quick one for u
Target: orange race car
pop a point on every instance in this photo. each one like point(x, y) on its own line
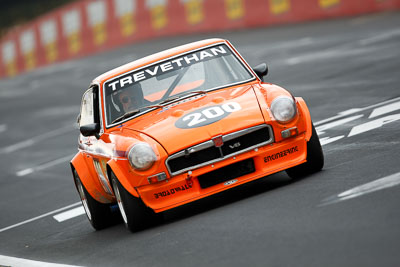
point(181, 125)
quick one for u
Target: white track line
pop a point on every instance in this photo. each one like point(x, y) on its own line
point(44, 166)
point(18, 262)
point(326, 140)
point(354, 110)
point(385, 109)
point(36, 139)
point(41, 216)
point(380, 37)
point(380, 184)
point(3, 128)
point(320, 129)
point(69, 214)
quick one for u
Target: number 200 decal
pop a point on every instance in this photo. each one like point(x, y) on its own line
point(207, 115)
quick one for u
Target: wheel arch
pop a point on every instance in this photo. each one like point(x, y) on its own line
point(114, 168)
point(307, 117)
point(86, 173)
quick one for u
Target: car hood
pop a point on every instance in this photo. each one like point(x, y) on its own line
point(200, 118)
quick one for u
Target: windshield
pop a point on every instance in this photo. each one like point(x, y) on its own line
point(138, 91)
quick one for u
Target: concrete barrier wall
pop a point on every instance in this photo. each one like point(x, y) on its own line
point(90, 26)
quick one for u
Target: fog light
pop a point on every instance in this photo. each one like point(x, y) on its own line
point(157, 178)
point(289, 132)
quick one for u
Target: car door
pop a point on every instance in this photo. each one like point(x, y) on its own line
point(97, 151)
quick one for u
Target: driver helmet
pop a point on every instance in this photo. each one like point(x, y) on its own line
point(130, 98)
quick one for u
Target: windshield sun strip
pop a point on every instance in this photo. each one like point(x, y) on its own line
point(234, 53)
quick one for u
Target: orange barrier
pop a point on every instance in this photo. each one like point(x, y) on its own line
point(90, 26)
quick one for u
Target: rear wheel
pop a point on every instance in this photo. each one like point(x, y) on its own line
point(100, 215)
point(315, 159)
point(135, 214)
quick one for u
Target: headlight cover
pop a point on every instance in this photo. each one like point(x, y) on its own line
point(283, 108)
point(141, 156)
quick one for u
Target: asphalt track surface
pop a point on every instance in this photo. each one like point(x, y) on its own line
point(347, 70)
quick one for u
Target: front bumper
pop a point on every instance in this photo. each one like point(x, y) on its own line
point(185, 188)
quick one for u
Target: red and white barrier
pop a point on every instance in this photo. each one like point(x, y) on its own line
point(90, 26)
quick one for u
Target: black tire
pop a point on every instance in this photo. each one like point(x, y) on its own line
point(99, 215)
point(135, 214)
point(315, 159)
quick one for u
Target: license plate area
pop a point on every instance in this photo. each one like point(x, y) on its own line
point(227, 173)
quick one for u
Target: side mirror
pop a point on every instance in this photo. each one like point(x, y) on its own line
point(261, 70)
point(90, 129)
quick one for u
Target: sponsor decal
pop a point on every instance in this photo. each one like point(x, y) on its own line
point(168, 66)
point(234, 9)
point(9, 53)
point(158, 12)
point(72, 26)
point(173, 191)
point(208, 115)
point(27, 43)
point(281, 154)
point(194, 11)
point(97, 19)
point(278, 7)
point(48, 36)
point(125, 12)
point(328, 3)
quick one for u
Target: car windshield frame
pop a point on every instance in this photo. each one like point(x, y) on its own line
point(233, 52)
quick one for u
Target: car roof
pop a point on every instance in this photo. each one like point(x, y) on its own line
point(156, 57)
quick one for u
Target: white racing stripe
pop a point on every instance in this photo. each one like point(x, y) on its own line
point(380, 184)
point(41, 216)
point(69, 214)
point(18, 262)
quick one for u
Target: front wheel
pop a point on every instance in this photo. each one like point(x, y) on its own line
point(315, 159)
point(100, 215)
point(135, 214)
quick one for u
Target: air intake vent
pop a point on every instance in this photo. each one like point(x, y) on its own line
point(208, 153)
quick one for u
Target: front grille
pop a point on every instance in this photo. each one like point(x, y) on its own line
point(226, 173)
point(207, 153)
point(194, 159)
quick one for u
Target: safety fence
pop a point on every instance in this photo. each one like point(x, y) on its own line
point(90, 26)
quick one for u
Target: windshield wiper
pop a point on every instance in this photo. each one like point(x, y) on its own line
point(175, 97)
point(197, 92)
point(126, 115)
point(160, 104)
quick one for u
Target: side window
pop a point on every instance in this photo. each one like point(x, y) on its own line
point(87, 111)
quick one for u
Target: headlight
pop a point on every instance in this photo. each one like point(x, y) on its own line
point(283, 108)
point(141, 156)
